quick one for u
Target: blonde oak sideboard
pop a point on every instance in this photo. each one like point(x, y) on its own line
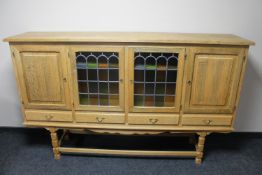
point(129, 83)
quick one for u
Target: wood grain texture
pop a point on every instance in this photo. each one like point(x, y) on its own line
point(100, 117)
point(128, 152)
point(206, 120)
point(42, 76)
point(200, 147)
point(241, 81)
point(55, 142)
point(152, 119)
point(19, 88)
point(212, 79)
point(210, 75)
point(129, 37)
point(48, 115)
point(125, 127)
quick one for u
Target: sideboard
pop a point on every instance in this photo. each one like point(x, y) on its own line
point(129, 83)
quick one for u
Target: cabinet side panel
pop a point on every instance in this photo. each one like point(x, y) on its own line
point(245, 56)
point(15, 69)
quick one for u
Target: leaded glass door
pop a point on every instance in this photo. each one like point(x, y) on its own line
point(98, 78)
point(155, 78)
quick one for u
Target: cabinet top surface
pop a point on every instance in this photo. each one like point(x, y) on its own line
point(130, 37)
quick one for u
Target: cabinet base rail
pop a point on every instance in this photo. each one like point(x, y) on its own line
point(57, 149)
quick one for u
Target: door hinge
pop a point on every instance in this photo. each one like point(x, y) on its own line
point(235, 107)
point(180, 108)
point(73, 104)
point(244, 58)
point(68, 53)
point(185, 57)
point(13, 53)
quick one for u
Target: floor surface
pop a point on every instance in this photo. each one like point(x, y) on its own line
point(28, 152)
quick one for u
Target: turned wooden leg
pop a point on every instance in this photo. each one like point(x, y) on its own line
point(55, 144)
point(200, 147)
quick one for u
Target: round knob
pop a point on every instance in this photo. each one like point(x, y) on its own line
point(189, 82)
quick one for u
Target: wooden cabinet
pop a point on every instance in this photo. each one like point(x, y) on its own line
point(129, 83)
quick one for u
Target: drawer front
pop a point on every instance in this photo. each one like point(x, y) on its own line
point(153, 119)
point(206, 120)
point(48, 116)
point(100, 117)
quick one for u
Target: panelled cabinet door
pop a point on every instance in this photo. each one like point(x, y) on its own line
point(155, 78)
point(98, 77)
point(42, 76)
point(212, 79)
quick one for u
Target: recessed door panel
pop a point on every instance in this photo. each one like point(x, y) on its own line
point(212, 80)
point(42, 75)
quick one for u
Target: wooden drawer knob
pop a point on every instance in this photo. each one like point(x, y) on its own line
point(100, 119)
point(207, 122)
point(153, 121)
point(49, 117)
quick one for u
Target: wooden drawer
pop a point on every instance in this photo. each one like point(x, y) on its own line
point(49, 116)
point(100, 117)
point(206, 120)
point(153, 119)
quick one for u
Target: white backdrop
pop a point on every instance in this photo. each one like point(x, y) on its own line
point(241, 17)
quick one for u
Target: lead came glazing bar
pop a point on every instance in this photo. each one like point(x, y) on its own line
point(156, 64)
point(108, 84)
point(159, 70)
point(99, 62)
point(98, 90)
point(144, 97)
point(90, 93)
point(154, 95)
point(167, 62)
point(88, 98)
point(95, 81)
point(149, 82)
